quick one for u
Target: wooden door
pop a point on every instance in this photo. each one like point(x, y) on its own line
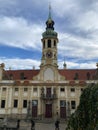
point(63, 109)
point(34, 111)
point(63, 112)
point(34, 108)
point(48, 113)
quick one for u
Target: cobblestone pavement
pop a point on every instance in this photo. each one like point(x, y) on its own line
point(50, 126)
point(43, 126)
point(39, 125)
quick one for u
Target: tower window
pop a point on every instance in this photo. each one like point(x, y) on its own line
point(44, 44)
point(49, 43)
point(54, 43)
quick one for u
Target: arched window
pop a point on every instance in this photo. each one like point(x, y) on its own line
point(49, 43)
point(54, 43)
point(88, 75)
point(44, 44)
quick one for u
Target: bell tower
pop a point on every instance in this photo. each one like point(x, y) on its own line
point(49, 44)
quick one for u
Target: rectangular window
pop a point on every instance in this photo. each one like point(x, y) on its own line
point(62, 89)
point(72, 89)
point(35, 89)
point(24, 103)
point(16, 89)
point(81, 89)
point(62, 103)
point(2, 103)
point(15, 103)
point(34, 102)
point(3, 89)
point(25, 89)
point(73, 104)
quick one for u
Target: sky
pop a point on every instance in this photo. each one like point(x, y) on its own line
point(22, 23)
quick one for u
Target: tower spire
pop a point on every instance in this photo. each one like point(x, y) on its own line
point(49, 11)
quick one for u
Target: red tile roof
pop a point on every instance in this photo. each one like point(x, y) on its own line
point(69, 74)
point(16, 74)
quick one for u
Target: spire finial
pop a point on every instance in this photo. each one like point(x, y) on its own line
point(49, 10)
point(64, 64)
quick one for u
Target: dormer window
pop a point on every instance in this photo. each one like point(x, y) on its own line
point(21, 75)
point(76, 77)
point(88, 76)
point(11, 76)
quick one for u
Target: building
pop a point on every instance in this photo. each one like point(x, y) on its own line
point(49, 92)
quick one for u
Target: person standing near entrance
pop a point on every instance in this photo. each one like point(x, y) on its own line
point(57, 125)
point(32, 125)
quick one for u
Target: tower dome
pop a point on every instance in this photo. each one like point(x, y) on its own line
point(49, 27)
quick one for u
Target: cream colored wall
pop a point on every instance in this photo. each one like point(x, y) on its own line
point(9, 95)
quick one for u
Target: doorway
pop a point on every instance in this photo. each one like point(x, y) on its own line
point(48, 112)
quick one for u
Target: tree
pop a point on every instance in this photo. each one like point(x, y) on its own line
point(86, 115)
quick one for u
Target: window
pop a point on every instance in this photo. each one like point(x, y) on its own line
point(88, 76)
point(11, 76)
point(15, 103)
point(3, 89)
point(62, 103)
point(21, 75)
point(24, 103)
point(72, 89)
point(49, 43)
point(35, 89)
point(76, 77)
point(54, 43)
point(25, 89)
point(44, 44)
point(2, 103)
point(73, 104)
point(62, 89)
point(34, 102)
point(81, 89)
point(16, 89)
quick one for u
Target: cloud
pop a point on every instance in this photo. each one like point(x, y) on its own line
point(17, 63)
point(77, 47)
point(17, 32)
point(22, 23)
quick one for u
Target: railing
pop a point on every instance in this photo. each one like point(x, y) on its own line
point(48, 97)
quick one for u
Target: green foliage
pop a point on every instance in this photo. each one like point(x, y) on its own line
point(86, 115)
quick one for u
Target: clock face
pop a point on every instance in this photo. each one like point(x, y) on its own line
point(49, 54)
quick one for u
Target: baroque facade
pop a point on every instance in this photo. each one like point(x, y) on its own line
point(49, 92)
